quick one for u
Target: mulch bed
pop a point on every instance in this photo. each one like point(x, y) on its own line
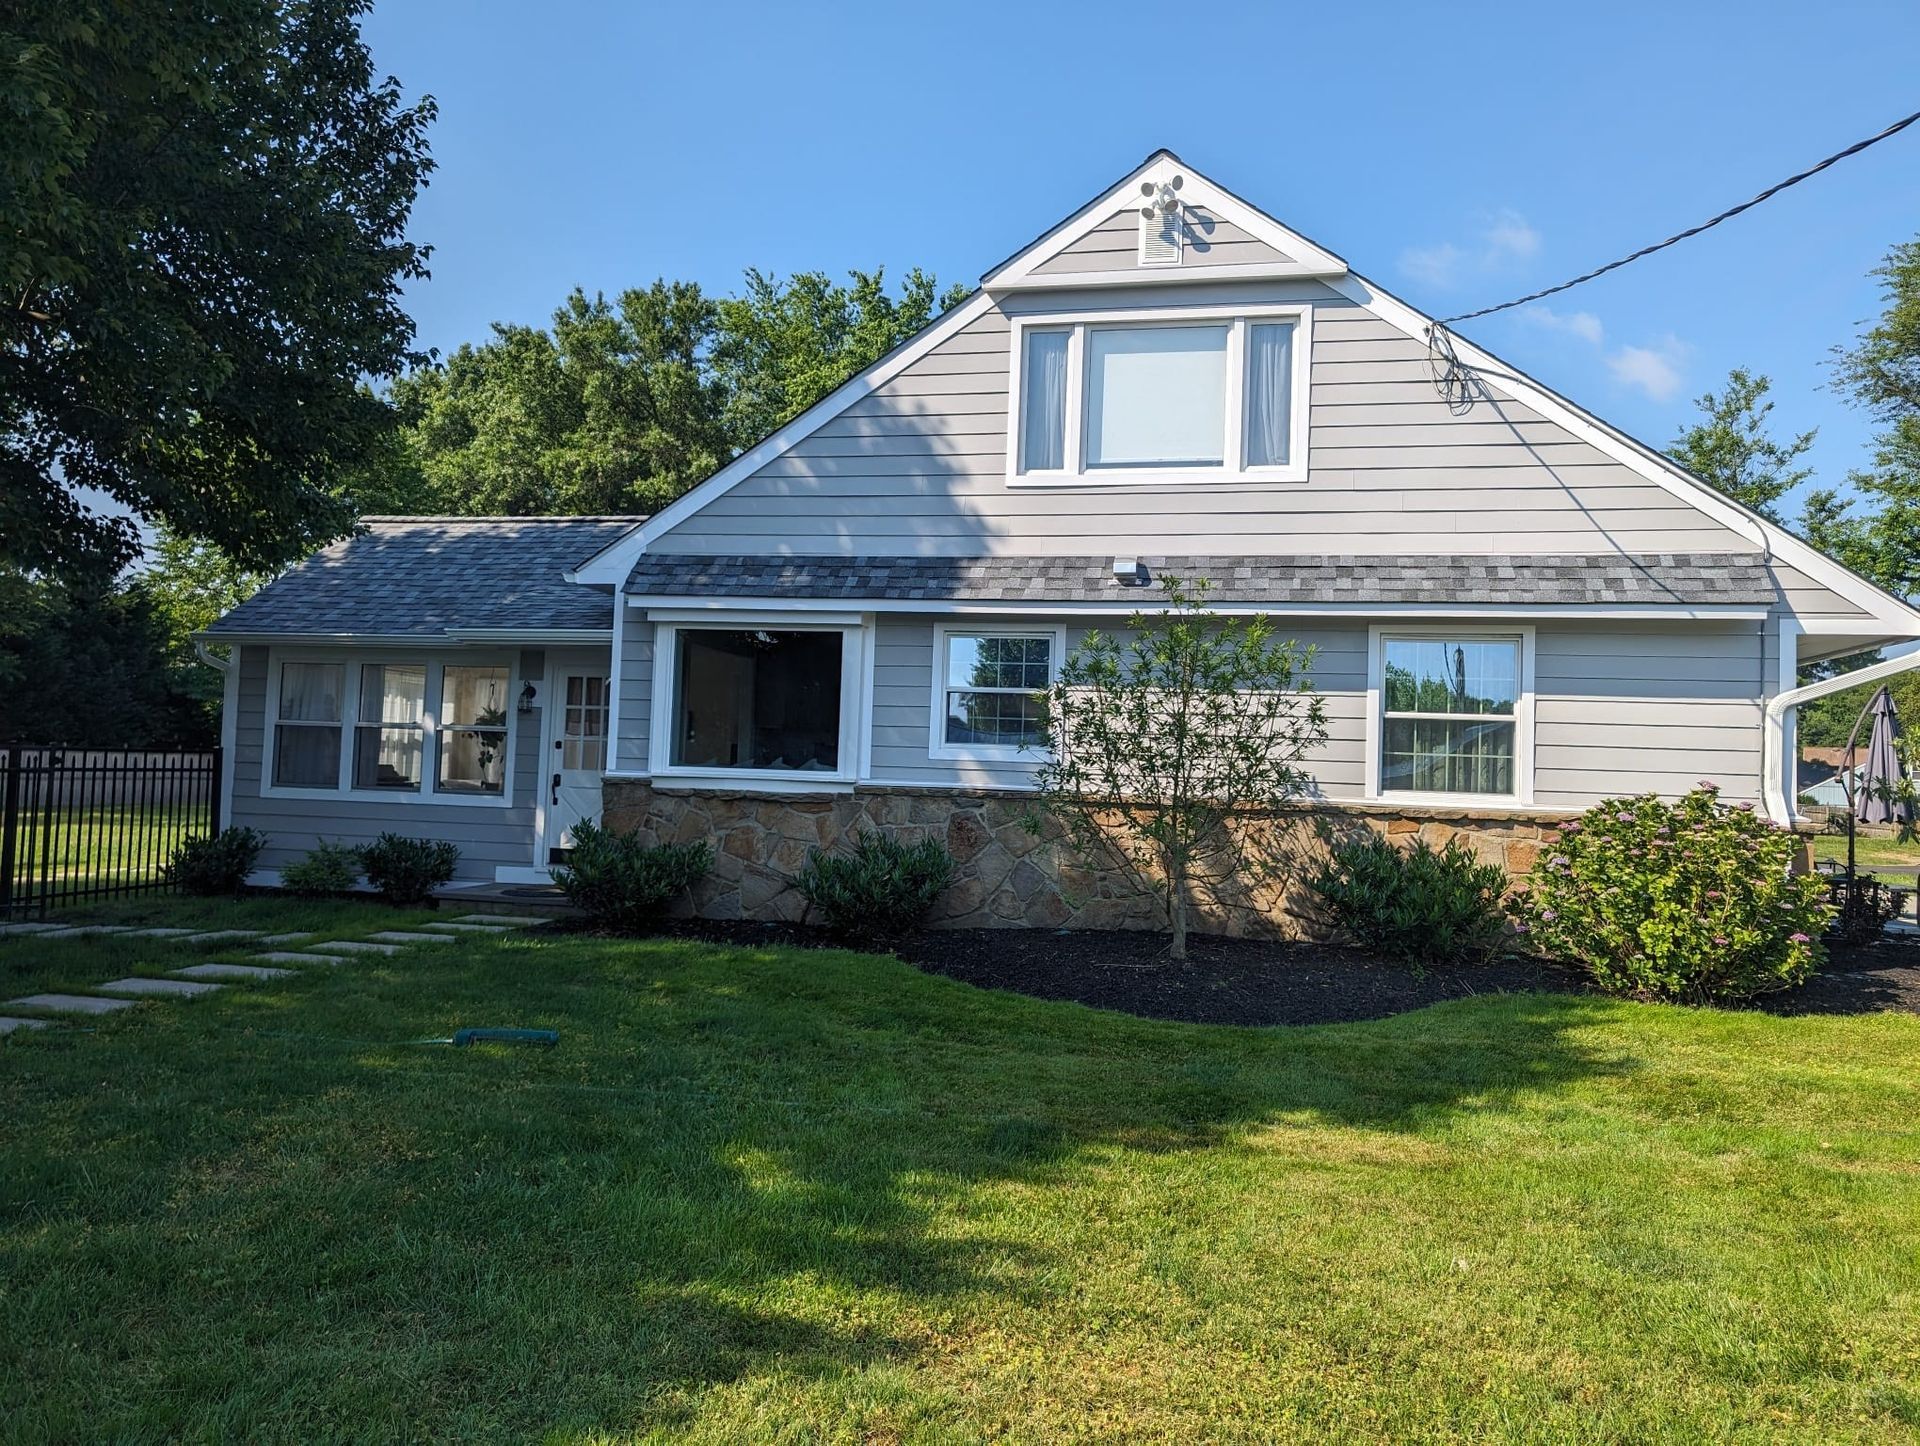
point(1248, 981)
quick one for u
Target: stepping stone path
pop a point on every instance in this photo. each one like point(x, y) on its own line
point(407, 936)
point(6, 929)
point(159, 933)
point(176, 988)
point(77, 931)
point(220, 936)
point(475, 928)
point(511, 921)
point(69, 1004)
point(287, 938)
point(232, 971)
point(282, 956)
point(8, 1024)
point(355, 946)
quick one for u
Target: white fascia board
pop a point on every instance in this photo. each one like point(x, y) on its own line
point(773, 609)
point(531, 635)
point(613, 562)
point(1773, 540)
point(1195, 190)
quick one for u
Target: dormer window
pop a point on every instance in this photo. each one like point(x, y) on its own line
point(1161, 398)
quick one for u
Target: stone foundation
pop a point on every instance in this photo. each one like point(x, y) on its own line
point(1014, 867)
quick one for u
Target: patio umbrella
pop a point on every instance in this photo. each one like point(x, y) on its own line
point(1880, 769)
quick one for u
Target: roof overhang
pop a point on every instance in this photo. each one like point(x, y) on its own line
point(448, 637)
point(1123, 606)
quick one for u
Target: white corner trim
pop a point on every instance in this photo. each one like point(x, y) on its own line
point(230, 737)
point(1773, 768)
point(1523, 709)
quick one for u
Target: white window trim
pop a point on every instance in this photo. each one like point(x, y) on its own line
point(1233, 471)
point(1522, 796)
point(937, 745)
point(855, 645)
point(428, 793)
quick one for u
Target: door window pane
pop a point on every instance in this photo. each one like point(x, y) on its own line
point(583, 727)
point(757, 699)
point(1043, 408)
point(1156, 395)
point(473, 729)
point(387, 733)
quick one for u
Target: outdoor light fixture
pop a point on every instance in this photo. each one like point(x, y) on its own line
point(527, 696)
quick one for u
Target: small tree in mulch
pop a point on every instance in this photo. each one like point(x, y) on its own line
point(1171, 747)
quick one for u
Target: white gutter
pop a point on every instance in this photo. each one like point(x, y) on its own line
point(1774, 741)
point(212, 660)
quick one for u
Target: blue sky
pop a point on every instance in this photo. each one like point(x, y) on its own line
point(1456, 155)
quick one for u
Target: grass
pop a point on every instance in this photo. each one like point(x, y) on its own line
point(1880, 854)
point(819, 1196)
point(113, 845)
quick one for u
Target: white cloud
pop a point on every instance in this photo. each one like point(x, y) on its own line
point(1503, 239)
point(1510, 235)
point(1583, 324)
point(1436, 265)
point(1654, 370)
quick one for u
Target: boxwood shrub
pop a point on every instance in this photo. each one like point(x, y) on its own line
point(1688, 901)
point(879, 893)
point(626, 886)
point(406, 871)
point(1420, 905)
point(213, 864)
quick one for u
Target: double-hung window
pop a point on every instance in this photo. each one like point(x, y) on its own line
point(1204, 394)
point(1452, 712)
point(306, 732)
point(990, 691)
point(409, 728)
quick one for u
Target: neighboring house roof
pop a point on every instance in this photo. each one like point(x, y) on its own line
point(435, 576)
point(1665, 580)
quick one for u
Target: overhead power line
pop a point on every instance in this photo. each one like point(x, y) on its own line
point(1727, 215)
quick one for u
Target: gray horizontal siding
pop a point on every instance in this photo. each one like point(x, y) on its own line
point(919, 468)
point(486, 837)
point(1616, 710)
point(1804, 597)
point(636, 693)
point(1114, 245)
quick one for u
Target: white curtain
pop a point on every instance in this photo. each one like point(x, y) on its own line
point(310, 692)
point(1269, 394)
point(1044, 440)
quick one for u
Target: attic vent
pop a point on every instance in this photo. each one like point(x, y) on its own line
point(1162, 228)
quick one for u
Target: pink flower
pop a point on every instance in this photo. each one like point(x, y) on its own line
point(1519, 928)
point(1708, 785)
point(1744, 807)
point(1547, 916)
point(1715, 894)
point(1720, 939)
point(1799, 939)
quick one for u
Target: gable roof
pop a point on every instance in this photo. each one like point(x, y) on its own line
point(1017, 273)
point(437, 577)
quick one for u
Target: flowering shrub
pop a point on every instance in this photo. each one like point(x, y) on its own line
point(1689, 900)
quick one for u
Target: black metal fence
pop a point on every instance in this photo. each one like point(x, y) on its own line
point(81, 824)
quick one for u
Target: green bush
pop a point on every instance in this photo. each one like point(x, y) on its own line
point(624, 885)
point(214, 864)
point(406, 871)
point(1690, 900)
point(1425, 906)
point(326, 868)
point(879, 893)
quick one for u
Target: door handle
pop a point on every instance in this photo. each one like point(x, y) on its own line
point(556, 790)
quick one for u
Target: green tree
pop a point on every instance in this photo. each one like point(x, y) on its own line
point(1170, 750)
point(203, 209)
point(1731, 448)
point(186, 586)
point(786, 344)
point(1880, 372)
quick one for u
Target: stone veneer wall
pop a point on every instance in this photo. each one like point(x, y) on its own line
point(1005, 873)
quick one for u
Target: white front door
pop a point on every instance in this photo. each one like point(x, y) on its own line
point(578, 756)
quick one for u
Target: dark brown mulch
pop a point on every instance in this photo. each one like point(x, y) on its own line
point(1247, 981)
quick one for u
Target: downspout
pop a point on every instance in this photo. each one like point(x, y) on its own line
point(1779, 804)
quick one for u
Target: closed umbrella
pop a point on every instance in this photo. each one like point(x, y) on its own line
point(1880, 770)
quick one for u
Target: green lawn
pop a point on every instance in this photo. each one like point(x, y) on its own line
point(1880, 855)
point(819, 1196)
point(104, 845)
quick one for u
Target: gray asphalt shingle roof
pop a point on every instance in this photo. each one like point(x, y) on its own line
point(420, 576)
point(1663, 579)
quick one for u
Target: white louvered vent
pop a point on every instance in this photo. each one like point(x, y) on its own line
point(1162, 228)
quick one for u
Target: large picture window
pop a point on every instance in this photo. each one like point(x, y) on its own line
point(1450, 711)
point(473, 729)
point(757, 698)
point(992, 692)
point(1206, 394)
